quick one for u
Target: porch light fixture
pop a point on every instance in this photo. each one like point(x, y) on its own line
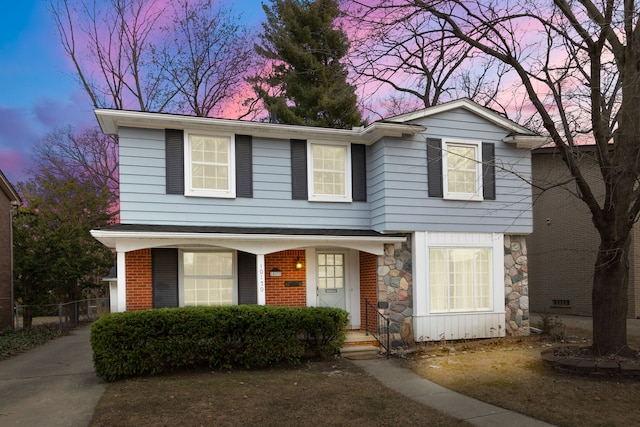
point(298, 263)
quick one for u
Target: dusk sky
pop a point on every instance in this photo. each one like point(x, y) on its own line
point(38, 92)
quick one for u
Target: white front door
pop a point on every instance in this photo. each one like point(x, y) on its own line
point(331, 280)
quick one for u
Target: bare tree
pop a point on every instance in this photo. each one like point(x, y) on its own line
point(578, 65)
point(110, 45)
point(207, 54)
point(402, 49)
point(150, 55)
point(85, 156)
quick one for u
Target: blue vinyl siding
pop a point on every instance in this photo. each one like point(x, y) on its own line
point(143, 199)
point(398, 170)
point(397, 187)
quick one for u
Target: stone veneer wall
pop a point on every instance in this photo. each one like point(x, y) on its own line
point(395, 289)
point(516, 285)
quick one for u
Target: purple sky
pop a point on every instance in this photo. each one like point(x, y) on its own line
point(38, 92)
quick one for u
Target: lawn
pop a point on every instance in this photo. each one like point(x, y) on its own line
point(322, 393)
point(505, 372)
point(510, 373)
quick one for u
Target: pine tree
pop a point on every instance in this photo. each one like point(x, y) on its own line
point(308, 84)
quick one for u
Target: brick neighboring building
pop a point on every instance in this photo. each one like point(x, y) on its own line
point(564, 242)
point(8, 199)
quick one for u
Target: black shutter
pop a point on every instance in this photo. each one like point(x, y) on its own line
point(174, 155)
point(488, 171)
point(359, 172)
point(299, 169)
point(164, 277)
point(244, 166)
point(247, 278)
point(434, 167)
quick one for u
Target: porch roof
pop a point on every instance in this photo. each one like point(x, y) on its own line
point(258, 240)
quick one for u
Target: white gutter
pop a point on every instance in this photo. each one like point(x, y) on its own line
point(111, 120)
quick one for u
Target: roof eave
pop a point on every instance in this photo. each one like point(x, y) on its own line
point(111, 120)
point(469, 105)
point(529, 142)
point(9, 190)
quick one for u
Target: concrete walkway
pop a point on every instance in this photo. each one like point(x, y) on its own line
point(404, 381)
point(53, 385)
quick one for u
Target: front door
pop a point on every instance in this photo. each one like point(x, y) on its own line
point(331, 280)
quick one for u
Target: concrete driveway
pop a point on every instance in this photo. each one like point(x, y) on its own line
point(52, 385)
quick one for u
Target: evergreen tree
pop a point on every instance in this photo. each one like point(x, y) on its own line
point(307, 84)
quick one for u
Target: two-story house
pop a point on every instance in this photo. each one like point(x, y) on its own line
point(9, 200)
point(424, 215)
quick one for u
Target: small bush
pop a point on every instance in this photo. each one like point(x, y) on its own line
point(156, 341)
point(553, 327)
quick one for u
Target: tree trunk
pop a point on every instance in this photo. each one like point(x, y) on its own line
point(609, 299)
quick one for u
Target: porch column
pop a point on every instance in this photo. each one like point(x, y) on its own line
point(122, 284)
point(262, 294)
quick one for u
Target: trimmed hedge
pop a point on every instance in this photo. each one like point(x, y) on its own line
point(160, 340)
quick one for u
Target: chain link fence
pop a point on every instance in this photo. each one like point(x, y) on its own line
point(66, 315)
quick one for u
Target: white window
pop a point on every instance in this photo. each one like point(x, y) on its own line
point(463, 272)
point(460, 279)
point(329, 167)
point(208, 278)
point(462, 170)
point(209, 168)
point(330, 271)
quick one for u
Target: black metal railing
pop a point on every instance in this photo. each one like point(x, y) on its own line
point(65, 315)
point(381, 333)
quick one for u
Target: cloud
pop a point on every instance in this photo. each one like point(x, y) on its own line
point(22, 128)
point(17, 135)
point(76, 110)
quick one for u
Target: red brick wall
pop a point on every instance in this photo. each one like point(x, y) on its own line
point(139, 293)
point(6, 304)
point(276, 292)
point(368, 287)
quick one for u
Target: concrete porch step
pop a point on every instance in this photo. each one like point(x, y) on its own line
point(359, 338)
point(359, 345)
point(360, 352)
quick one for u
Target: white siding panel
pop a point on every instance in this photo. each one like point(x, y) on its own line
point(458, 326)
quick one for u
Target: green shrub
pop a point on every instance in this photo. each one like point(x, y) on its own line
point(156, 341)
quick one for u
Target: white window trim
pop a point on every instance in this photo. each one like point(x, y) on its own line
point(347, 197)
point(196, 192)
point(181, 272)
point(478, 194)
point(494, 241)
